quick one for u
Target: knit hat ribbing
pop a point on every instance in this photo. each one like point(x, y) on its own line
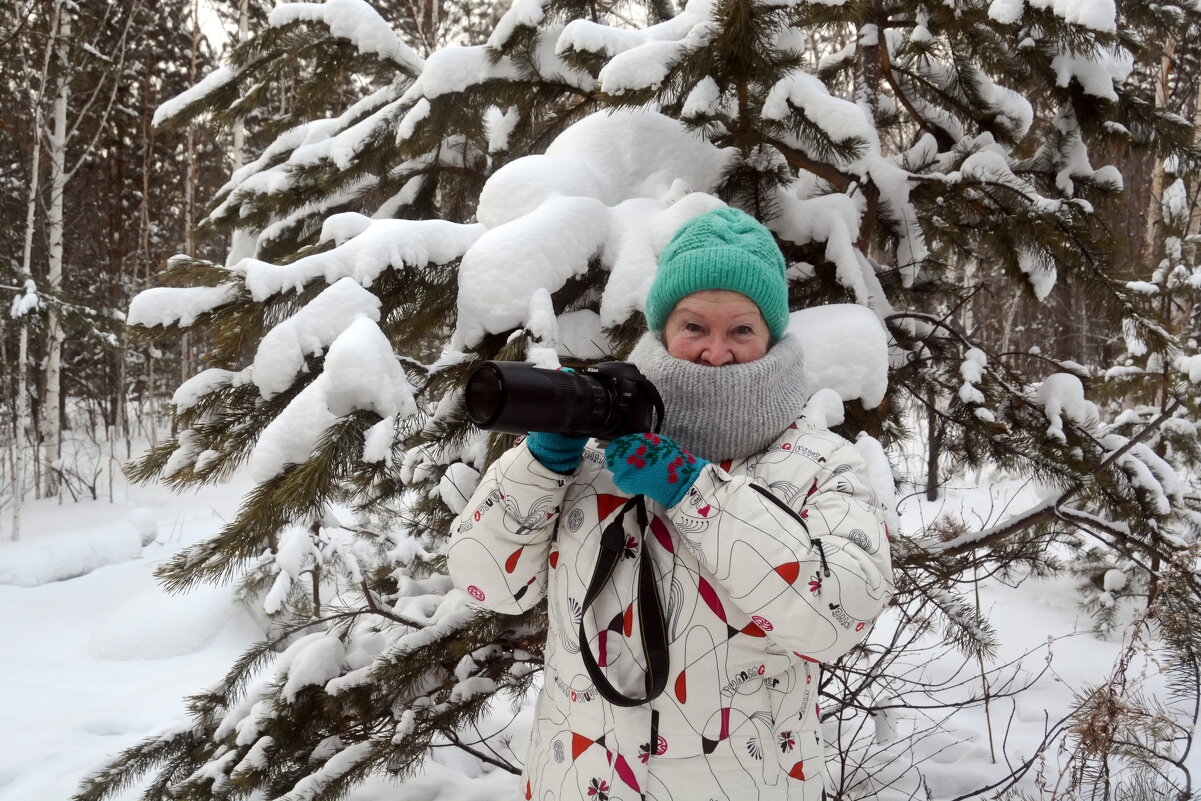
point(721, 249)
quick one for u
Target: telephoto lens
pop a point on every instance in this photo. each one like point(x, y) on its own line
point(605, 401)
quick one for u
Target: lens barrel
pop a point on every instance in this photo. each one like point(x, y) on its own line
point(516, 398)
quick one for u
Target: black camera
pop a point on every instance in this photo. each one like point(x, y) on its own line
point(604, 401)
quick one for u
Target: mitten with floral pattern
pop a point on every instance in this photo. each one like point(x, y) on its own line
point(652, 465)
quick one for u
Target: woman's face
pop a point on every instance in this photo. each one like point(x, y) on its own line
point(716, 327)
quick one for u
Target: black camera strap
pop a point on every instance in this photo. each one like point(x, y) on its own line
point(657, 402)
point(651, 622)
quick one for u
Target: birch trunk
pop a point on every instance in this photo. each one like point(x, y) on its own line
point(185, 346)
point(242, 243)
point(21, 434)
point(57, 150)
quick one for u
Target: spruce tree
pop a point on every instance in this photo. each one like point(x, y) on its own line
point(506, 200)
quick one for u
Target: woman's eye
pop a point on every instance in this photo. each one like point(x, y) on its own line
point(744, 330)
point(692, 328)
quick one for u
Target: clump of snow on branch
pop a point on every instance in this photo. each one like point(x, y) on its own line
point(641, 59)
point(649, 64)
point(456, 485)
point(1100, 15)
point(500, 125)
point(582, 335)
point(1161, 486)
point(25, 302)
point(846, 350)
point(1096, 74)
point(833, 219)
point(302, 548)
point(188, 447)
point(355, 21)
point(1039, 271)
point(839, 119)
point(338, 139)
point(824, 408)
point(180, 306)
point(1061, 396)
point(971, 369)
point(367, 248)
point(360, 373)
point(614, 187)
point(813, 215)
point(1190, 366)
point(282, 351)
point(215, 80)
point(1175, 204)
point(523, 13)
point(377, 442)
point(1134, 342)
point(543, 328)
point(191, 391)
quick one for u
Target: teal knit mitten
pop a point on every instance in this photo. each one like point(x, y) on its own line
point(557, 452)
point(652, 465)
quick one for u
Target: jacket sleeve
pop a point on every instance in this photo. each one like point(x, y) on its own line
point(804, 554)
point(499, 543)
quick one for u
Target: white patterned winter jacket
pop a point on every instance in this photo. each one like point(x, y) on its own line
point(755, 598)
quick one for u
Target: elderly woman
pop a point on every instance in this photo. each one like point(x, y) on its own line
point(686, 666)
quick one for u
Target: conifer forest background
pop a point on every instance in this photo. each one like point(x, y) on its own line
point(260, 239)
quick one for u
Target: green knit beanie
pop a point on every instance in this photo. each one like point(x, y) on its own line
point(721, 249)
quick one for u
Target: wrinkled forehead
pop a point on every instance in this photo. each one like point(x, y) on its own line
point(717, 301)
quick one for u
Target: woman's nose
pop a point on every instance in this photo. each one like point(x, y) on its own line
point(716, 352)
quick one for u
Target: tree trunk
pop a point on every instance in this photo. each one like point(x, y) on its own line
point(1154, 212)
point(52, 402)
point(21, 435)
point(243, 243)
point(933, 447)
point(185, 346)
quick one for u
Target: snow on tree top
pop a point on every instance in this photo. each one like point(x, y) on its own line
point(355, 21)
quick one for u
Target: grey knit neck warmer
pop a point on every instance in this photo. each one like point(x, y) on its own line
point(726, 412)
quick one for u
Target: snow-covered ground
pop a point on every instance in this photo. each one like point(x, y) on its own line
point(96, 662)
point(97, 656)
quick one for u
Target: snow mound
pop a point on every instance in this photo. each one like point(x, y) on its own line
point(154, 625)
point(144, 521)
point(61, 556)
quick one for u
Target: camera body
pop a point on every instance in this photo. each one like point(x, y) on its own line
point(604, 400)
